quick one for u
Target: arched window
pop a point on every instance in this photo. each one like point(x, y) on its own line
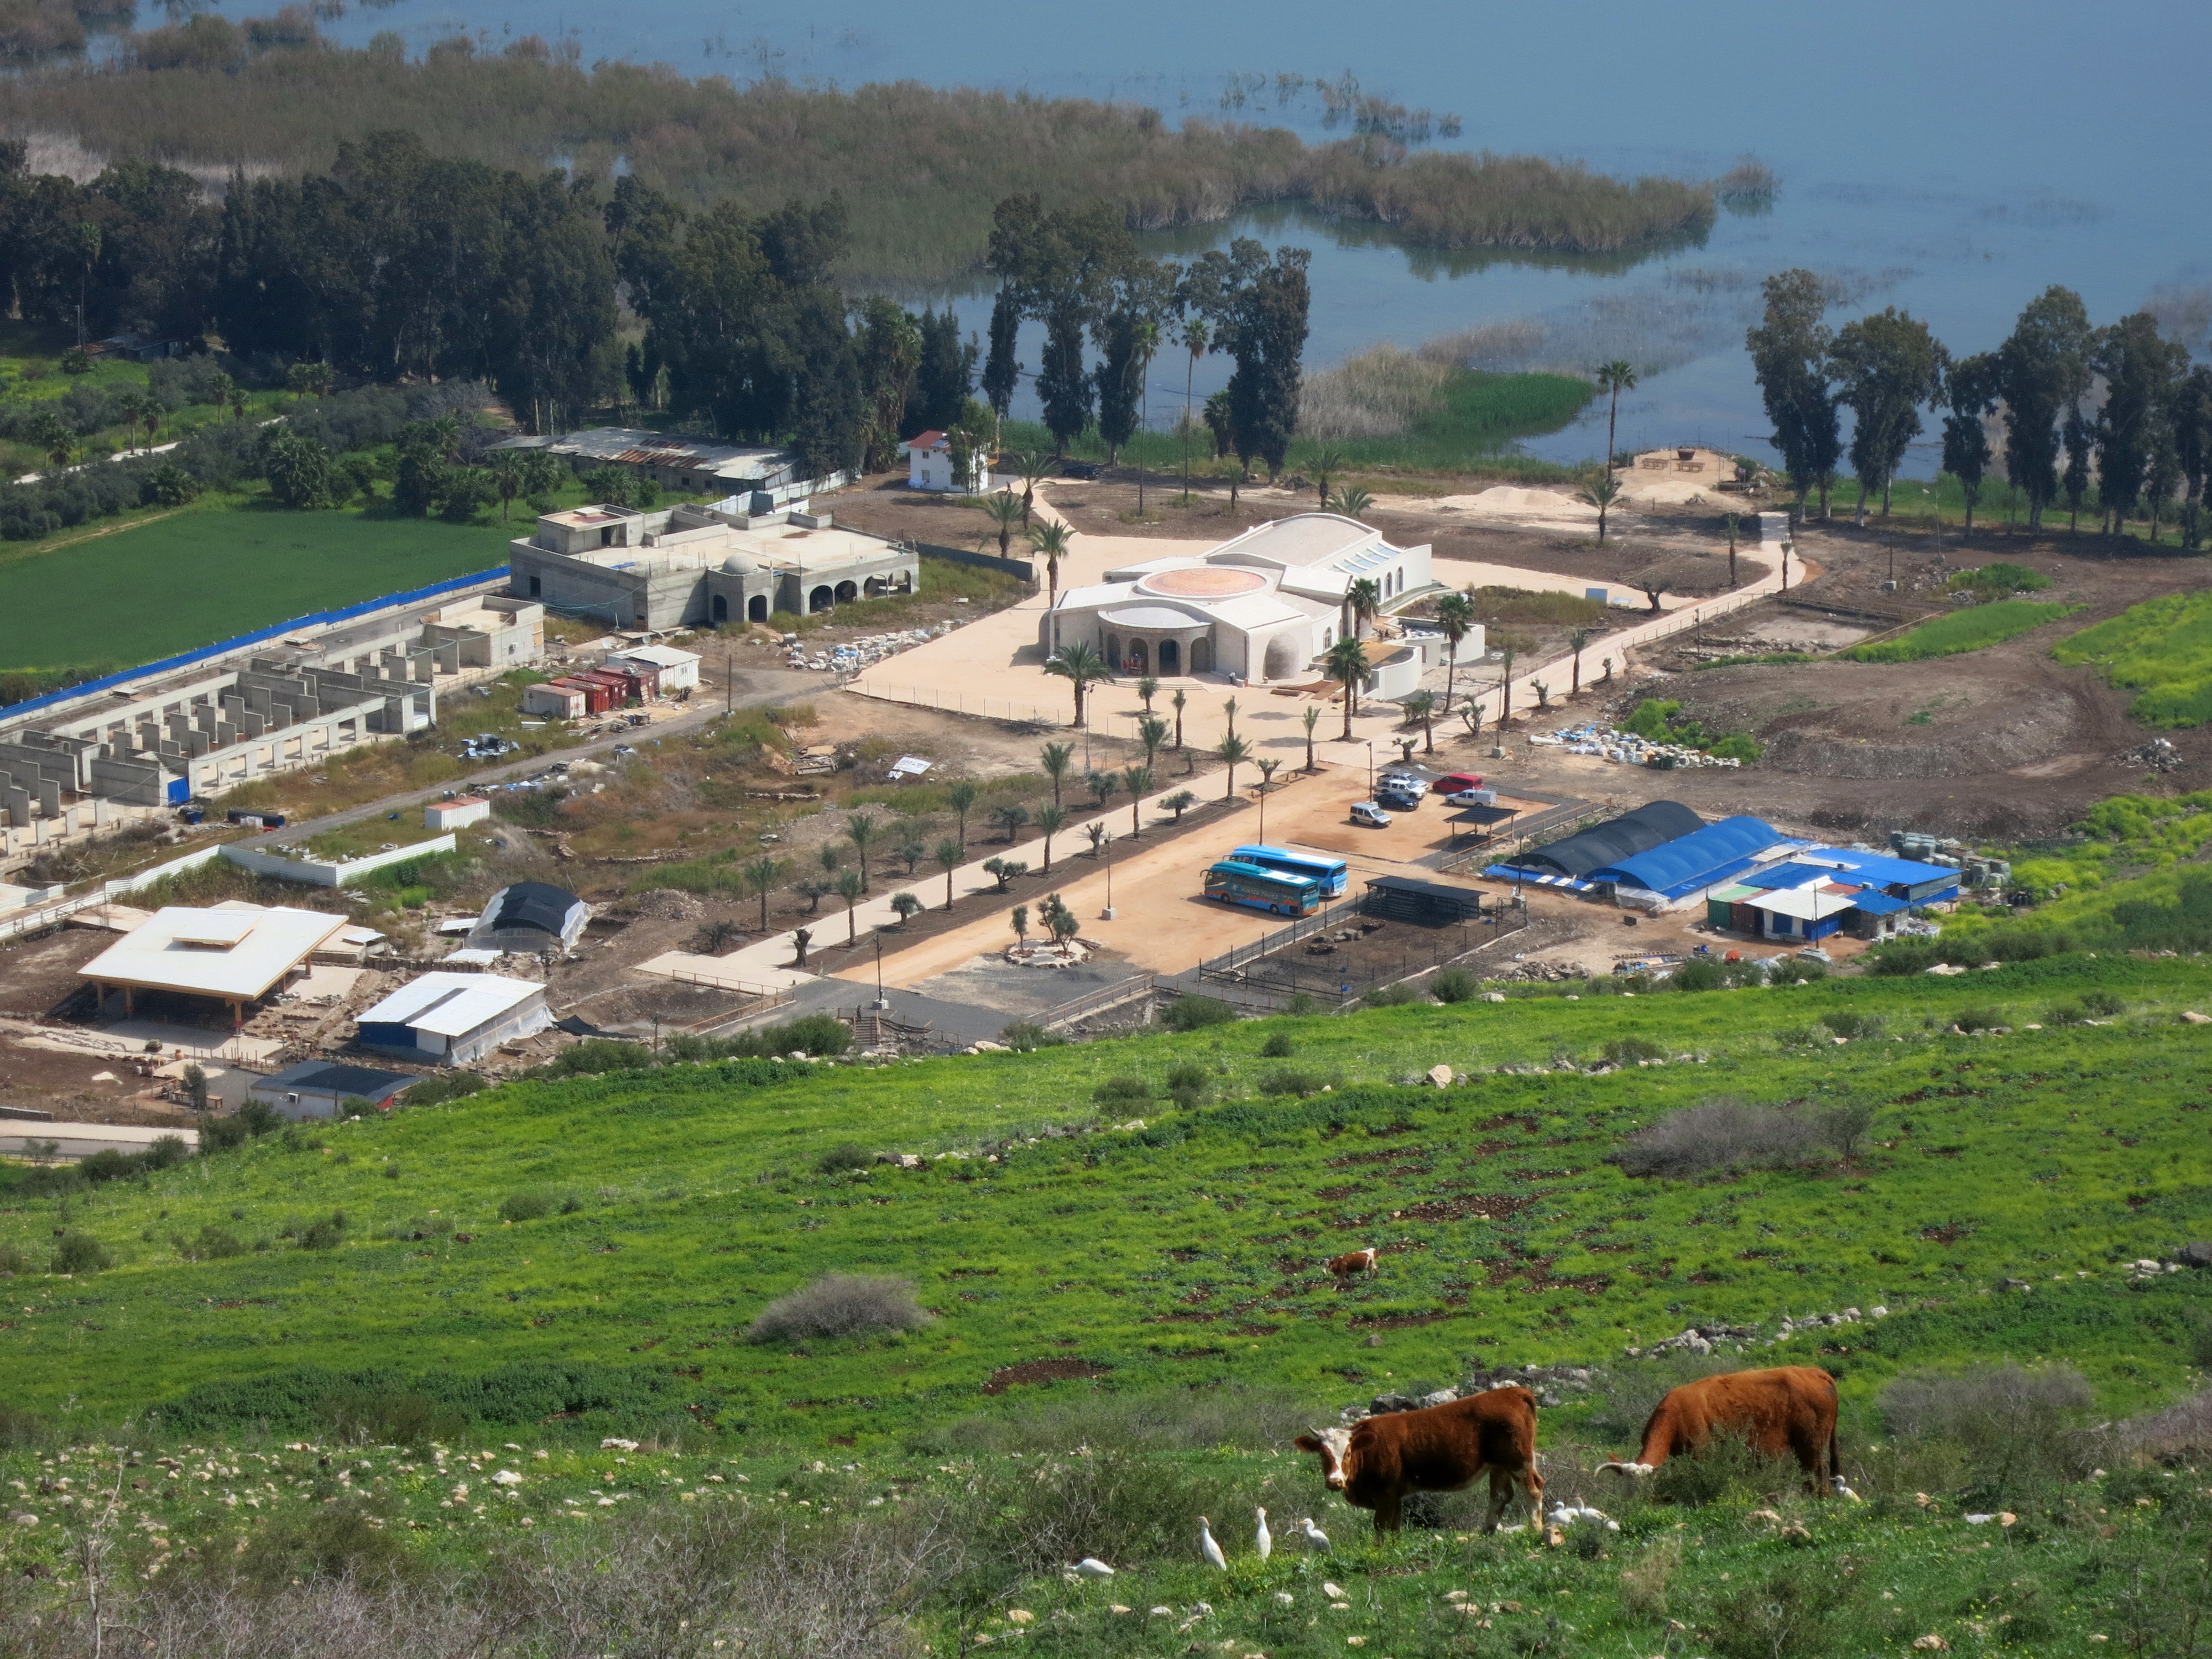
point(1171, 657)
point(721, 609)
point(1201, 656)
point(757, 608)
point(820, 600)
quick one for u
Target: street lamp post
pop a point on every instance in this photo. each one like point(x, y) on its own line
point(1106, 852)
point(1371, 770)
point(883, 1002)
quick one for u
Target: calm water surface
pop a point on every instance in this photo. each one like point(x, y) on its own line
point(1953, 158)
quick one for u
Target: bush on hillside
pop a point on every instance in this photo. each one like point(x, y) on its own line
point(1286, 1080)
point(1189, 1085)
point(2015, 1425)
point(839, 1304)
point(80, 1253)
point(844, 1158)
point(1123, 1093)
point(1730, 1134)
point(1629, 1050)
point(1194, 1013)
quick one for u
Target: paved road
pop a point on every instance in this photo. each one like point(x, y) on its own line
point(756, 688)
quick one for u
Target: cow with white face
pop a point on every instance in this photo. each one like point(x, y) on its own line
point(1378, 1462)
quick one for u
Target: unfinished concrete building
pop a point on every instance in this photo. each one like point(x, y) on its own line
point(703, 566)
point(755, 478)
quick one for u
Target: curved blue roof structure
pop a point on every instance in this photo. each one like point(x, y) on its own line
point(1698, 859)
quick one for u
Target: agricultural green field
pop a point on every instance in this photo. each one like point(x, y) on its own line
point(206, 574)
point(2161, 650)
point(1970, 629)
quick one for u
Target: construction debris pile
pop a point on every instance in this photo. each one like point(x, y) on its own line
point(1626, 747)
point(2158, 756)
point(1977, 869)
point(851, 656)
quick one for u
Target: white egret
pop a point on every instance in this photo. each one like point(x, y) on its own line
point(1263, 1540)
point(1208, 1548)
point(1315, 1536)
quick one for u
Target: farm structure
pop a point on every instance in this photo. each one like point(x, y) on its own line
point(707, 565)
point(454, 1017)
point(531, 916)
point(316, 1088)
point(755, 478)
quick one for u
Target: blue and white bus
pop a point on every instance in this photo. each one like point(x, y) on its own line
point(1331, 873)
point(1235, 882)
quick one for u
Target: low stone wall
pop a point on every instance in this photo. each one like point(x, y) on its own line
point(330, 872)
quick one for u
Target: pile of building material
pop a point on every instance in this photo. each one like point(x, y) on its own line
point(853, 655)
point(1626, 747)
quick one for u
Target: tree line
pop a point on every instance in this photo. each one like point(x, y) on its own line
point(2117, 407)
point(399, 266)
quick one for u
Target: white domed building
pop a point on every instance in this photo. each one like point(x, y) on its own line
point(1264, 606)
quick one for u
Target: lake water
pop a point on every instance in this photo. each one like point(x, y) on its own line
point(1953, 158)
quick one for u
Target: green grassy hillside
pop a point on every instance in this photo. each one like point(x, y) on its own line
point(1185, 1253)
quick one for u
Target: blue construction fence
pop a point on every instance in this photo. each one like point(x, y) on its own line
point(223, 647)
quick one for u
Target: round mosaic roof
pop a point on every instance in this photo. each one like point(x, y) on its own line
point(1204, 581)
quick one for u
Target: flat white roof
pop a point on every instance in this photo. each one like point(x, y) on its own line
point(451, 1004)
point(231, 953)
point(75, 1140)
point(1806, 903)
point(662, 656)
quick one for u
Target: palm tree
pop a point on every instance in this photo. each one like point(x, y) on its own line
point(1346, 661)
point(1232, 752)
point(1151, 732)
point(1178, 702)
point(1050, 540)
point(1195, 341)
point(1601, 494)
point(1229, 710)
point(760, 877)
point(1051, 820)
point(906, 904)
point(507, 480)
point(1081, 665)
point(1505, 695)
point(860, 829)
point(950, 855)
point(1010, 818)
point(1421, 710)
point(1362, 600)
point(1309, 719)
point(1035, 466)
point(1576, 642)
point(850, 887)
point(960, 797)
point(1138, 779)
point(1616, 376)
point(1267, 765)
point(1147, 688)
point(1324, 462)
point(1020, 922)
point(1005, 512)
point(1145, 340)
point(1355, 503)
point(1104, 786)
point(1732, 534)
point(1055, 757)
point(1455, 615)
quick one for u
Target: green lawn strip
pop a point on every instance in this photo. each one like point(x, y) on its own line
point(1970, 629)
point(201, 577)
point(1182, 1254)
point(2161, 649)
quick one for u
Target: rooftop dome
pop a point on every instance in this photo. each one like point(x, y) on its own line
point(741, 564)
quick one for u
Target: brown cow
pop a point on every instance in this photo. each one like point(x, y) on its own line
point(1377, 1461)
point(1790, 1411)
point(1360, 1262)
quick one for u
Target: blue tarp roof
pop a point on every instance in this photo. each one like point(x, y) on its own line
point(1790, 875)
point(1694, 861)
point(1878, 903)
point(1884, 871)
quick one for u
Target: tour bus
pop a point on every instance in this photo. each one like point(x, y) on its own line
point(1234, 882)
point(1330, 873)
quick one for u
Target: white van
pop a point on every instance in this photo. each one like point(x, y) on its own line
point(1368, 813)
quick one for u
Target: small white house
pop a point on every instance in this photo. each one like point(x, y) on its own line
point(678, 670)
point(929, 466)
point(455, 1018)
point(457, 814)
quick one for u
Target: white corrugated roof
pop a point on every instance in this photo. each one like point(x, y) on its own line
point(1806, 903)
point(450, 1005)
point(661, 656)
point(176, 950)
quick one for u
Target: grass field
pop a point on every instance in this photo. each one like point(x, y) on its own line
point(1970, 629)
point(1178, 1256)
point(209, 575)
point(2161, 650)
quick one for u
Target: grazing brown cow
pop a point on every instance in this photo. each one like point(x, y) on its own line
point(1790, 1411)
point(1360, 1262)
point(1377, 1461)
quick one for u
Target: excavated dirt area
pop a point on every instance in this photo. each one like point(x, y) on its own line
point(2000, 745)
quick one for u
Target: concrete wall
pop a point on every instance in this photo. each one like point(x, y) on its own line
point(328, 872)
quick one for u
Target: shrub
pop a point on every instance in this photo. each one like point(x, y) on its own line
point(1728, 1134)
point(2015, 1425)
point(452, 1085)
point(1188, 1086)
point(216, 1243)
point(1699, 974)
point(1895, 958)
point(341, 1543)
point(1725, 1469)
point(1795, 970)
point(1283, 1080)
point(1450, 985)
point(324, 1233)
point(2102, 1005)
point(1195, 1013)
point(1121, 1093)
point(1278, 1046)
point(80, 1253)
point(1995, 581)
point(1628, 1050)
point(844, 1157)
point(1025, 1038)
point(839, 1304)
point(14, 1264)
point(392, 1417)
point(1844, 1023)
point(525, 1207)
point(1983, 1017)
point(1392, 996)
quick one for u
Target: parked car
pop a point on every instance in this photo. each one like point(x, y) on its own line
point(1400, 795)
point(1368, 813)
point(1084, 471)
point(1453, 782)
point(1474, 797)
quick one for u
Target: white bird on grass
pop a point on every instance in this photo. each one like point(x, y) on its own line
point(1315, 1536)
point(1091, 1567)
point(1263, 1540)
point(1208, 1548)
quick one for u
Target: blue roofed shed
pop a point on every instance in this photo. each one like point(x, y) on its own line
point(1690, 864)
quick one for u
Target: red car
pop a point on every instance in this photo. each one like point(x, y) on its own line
point(1457, 781)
